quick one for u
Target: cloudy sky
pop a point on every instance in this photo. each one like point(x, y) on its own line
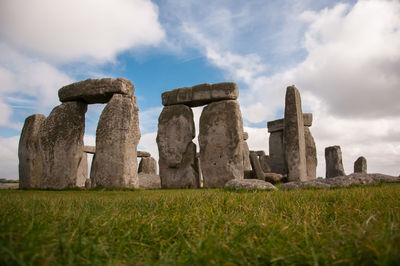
point(344, 56)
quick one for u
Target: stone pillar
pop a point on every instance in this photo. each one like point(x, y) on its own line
point(294, 140)
point(246, 153)
point(177, 152)
point(360, 165)
point(220, 138)
point(30, 159)
point(264, 163)
point(61, 144)
point(333, 160)
point(148, 165)
point(277, 158)
point(311, 154)
point(117, 136)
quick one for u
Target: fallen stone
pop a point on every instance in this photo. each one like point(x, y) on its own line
point(30, 158)
point(148, 165)
point(311, 154)
point(278, 125)
point(117, 136)
point(273, 178)
point(201, 94)
point(61, 145)
point(249, 184)
point(143, 154)
point(95, 90)
point(89, 149)
point(360, 165)
point(333, 161)
point(149, 181)
point(220, 138)
point(177, 152)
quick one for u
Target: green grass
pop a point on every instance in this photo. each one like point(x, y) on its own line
point(358, 226)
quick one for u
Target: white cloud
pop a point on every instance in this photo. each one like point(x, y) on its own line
point(63, 31)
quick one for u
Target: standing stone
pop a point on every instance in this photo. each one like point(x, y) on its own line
point(117, 136)
point(220, 139)
point(148, 165)
point(277, 158)
point(246, 153)
point(264, 163)
point(30, 159)
point(61, 144)
point(311, 154)
point(198, 167)
point(333, 160)
point(83, 170)
point(294, 141)
point(360, 165)
point(177, 152)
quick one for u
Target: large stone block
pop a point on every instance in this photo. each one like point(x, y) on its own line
point(149, 181)
point(294, 141)
point(30, 158)
point(311, 154)
point(117, 136)
point(220, 139)
point(61, 145)
point(201, 94)
point(148, 165)
point(333, 161)
point(246, 156)
point(264, 163)
point(277, 160)
point(95, 90)
point(360, 165)
point(177, 152)
point(278, 125)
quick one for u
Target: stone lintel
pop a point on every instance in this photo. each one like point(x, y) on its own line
point(277, 125)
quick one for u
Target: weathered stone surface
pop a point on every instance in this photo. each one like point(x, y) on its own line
point(176, 150)
point(88, 183)
point(148, 165)
point(278, 125)
point(143, 154)
point(30, 158)
point(246, 156)
point(255, 164)
point(273, 178)
point(61, 145)
point(201, 94)
point(277, 160)
point(83, 171)
point(249, 184)
point(360, 165)
point(245, 136)
point(95, 90)
point(311, 154)
point(294, 141)
point(89, 149)
point(264, 163)
point(149, 180)
point(117, 135)
point(333, 161)
point(220, 138)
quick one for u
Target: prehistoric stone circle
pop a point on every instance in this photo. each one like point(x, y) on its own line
point(333, 160)
point(177, 152)
point(117, 136)
point(30, 159)
point(360, 165)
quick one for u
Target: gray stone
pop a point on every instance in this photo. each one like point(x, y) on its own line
point(83, 170)
point(246, 156)
point(117, 135)
point(148, 165)
point(255, 164)
point(260, 153)
point(278, 125)
point(143, 154)
point(95, 90)
point(311, 154)
point(197, 165)
point(273, 178)
point(360, 165)
point(277, 160)
point(201, 94)
point(149, 181)
point(30, 158)
point(88, 183)
point(176, 150)
point(245, 136)
point(294, 140)
point(249, 184)
point(220, 138)
point(89, 149)
point(333, 161)
point(61, 145)
point(264, 163)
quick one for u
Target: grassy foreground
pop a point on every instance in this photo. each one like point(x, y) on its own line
point(359, 226)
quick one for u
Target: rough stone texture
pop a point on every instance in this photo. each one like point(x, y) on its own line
point(245, 136)
point(264, 163)
point(249, 184)
point(61, 145)
point(294, 141)
point(95, 90)
point(255, 164)
point(177, 152)
point(220, 138)
point(83, 170)
point(333, 161)
point(278, 125)
point(117, 135)
point(277, 159)
point(360, 165)
point(88, 183)
point(311, 154)
point(342, 181)
point(201, 94)
point(143, 154)
point(89, 149)
point(149, 181)
point(246, 156)
point(30, 158)
point(148, 165)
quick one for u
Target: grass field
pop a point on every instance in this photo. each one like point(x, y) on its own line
point(358, 225)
